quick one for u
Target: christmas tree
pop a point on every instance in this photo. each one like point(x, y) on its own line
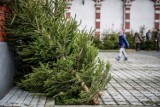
point(53, 56)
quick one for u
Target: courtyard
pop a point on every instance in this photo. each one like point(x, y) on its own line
point(135, 82)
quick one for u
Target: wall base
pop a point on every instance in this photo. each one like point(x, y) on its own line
point(7, 69)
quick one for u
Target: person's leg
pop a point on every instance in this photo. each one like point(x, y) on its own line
point(119, 54)
point(139, 46)
point(149, 45)
point(125, 54)
point(136, 46)
point(158, 46)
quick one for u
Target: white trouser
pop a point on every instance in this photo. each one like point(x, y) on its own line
point(122, 51)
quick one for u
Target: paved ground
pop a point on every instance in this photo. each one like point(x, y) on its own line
point(135, 82)
point(19, 98)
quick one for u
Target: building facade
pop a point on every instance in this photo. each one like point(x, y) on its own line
point(115, 15)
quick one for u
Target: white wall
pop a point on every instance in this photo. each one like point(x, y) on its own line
point(111, 15)
point(142, 13)
point(84, 13)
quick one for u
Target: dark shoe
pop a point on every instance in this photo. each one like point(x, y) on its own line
point(118, 58)
point(125, 59)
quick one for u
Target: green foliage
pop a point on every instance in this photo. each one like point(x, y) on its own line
point(149, 45)
point(130, 38)
point(98, 43)
point(53, 56)
point(152, 44)
point(109, 41)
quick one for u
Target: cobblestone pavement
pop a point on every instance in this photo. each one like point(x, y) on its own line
point(134, 82)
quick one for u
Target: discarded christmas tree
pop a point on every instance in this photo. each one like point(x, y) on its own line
point(54, 57)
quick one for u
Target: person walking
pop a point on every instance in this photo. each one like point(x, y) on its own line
point(123, 43)
point(137, 39)
point(149, 36)
point(149, 39)
point(158, 39)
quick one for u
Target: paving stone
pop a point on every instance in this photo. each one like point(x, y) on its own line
point(110, 103)
point(126, 94)
point(108, 100)
point(120, 100)
point(143, 99)
point(136, 103)
point(123, 103)
point(131, 99)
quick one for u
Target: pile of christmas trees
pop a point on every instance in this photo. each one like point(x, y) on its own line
point(52, 55)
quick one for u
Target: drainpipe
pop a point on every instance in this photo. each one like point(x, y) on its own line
point(123, 25)
point(83, 2)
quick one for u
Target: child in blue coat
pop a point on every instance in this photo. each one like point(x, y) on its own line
point(123, 43)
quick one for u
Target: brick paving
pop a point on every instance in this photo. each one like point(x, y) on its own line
point(19, 98)
point(135, 82)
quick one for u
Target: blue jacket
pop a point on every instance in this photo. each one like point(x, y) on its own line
point(123, 41)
